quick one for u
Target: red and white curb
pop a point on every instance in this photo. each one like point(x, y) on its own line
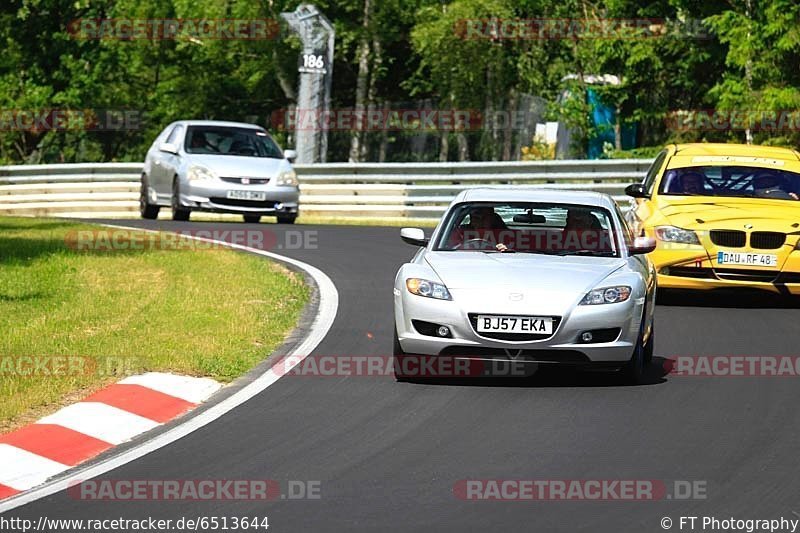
point(31, 455)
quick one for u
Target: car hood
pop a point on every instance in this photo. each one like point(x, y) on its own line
point(555, 283)
point(733, 213)
point(240, 166)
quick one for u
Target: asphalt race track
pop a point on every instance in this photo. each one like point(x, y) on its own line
point(389, 454)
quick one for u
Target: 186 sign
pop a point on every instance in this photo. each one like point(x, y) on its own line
point(312, 63)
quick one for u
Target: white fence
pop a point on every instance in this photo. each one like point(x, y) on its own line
point(392, 190)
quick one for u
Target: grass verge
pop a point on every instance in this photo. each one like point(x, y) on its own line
point(89, 318)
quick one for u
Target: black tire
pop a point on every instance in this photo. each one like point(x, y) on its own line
point(286, 219)
point(397, 358)
point(178, 211)
point(648, 348)
point(146, 209)
point(634, 370)
point(252, 219)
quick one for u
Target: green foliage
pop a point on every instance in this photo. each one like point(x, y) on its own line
point(726, 55)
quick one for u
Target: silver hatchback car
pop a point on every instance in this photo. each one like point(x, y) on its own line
point(224, 167)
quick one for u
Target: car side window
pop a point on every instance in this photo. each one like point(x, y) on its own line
point(625, 229)
point(175, 134)
point(652, 172)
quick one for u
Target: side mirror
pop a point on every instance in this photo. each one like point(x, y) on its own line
point(636, 190)
point(291, 155)
point(414, 237)
point(169, 148)
point(642, 245)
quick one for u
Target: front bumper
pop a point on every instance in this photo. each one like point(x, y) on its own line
point(212, 196)
point(563, 347)
point(694, 269)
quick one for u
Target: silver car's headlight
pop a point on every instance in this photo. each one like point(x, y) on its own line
point(427, 288)
point(607, 295)
point(198, 173)
point(287, 178)
point(675, 234)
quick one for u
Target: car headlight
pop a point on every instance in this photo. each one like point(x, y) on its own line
point(287, 178)
point(607, 295)
point(429, 289)
point(675, 234)
point(197, 173)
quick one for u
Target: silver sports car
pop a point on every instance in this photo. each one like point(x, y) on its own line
point(229, 167)
point(525, 277)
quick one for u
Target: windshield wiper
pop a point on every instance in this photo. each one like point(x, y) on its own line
point(585, 252)
point(538, 252)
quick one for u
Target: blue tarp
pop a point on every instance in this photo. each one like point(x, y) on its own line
point(603, 120)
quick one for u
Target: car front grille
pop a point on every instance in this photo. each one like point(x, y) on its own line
point(473, 319)
point(251, 181)
point(751, 275)
point(788, 277)
point(728, 238)
point(767, 240)
point(269, 204)
point(688, 272)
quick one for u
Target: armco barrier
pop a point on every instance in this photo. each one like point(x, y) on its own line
point(386, 190)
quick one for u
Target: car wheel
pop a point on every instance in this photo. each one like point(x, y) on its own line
point(287, 219)
point(633, 371)
point(252, 219)
point(178, 211)
point(398, 356)
point(648, 348)
point(146, 209)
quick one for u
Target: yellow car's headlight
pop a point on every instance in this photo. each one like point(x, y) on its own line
point(675, 234)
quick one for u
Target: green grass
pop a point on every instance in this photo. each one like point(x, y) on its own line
point(212, 313)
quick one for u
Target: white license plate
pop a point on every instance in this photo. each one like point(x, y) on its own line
point(247, 195)
point(514, 324)
point(742, 258)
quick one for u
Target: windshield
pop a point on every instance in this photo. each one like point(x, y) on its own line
point(219, 140)
point(732, 181)
point(545, 228)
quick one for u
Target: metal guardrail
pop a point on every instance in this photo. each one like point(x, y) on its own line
point(391, 190)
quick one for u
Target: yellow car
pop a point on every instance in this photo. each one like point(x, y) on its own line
point(723, 215)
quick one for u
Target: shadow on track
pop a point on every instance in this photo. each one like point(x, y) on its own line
point(553, 376)
point(727, 298)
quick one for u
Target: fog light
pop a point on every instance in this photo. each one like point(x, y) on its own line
point(587, 336)
point(443, 331)
point(279, 206)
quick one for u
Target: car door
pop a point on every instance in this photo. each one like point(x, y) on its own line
point(165, 164)
point(642, 208)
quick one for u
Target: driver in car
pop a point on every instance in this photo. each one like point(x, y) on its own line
point(693, 183)
point(768, 185)
point(485, 229)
